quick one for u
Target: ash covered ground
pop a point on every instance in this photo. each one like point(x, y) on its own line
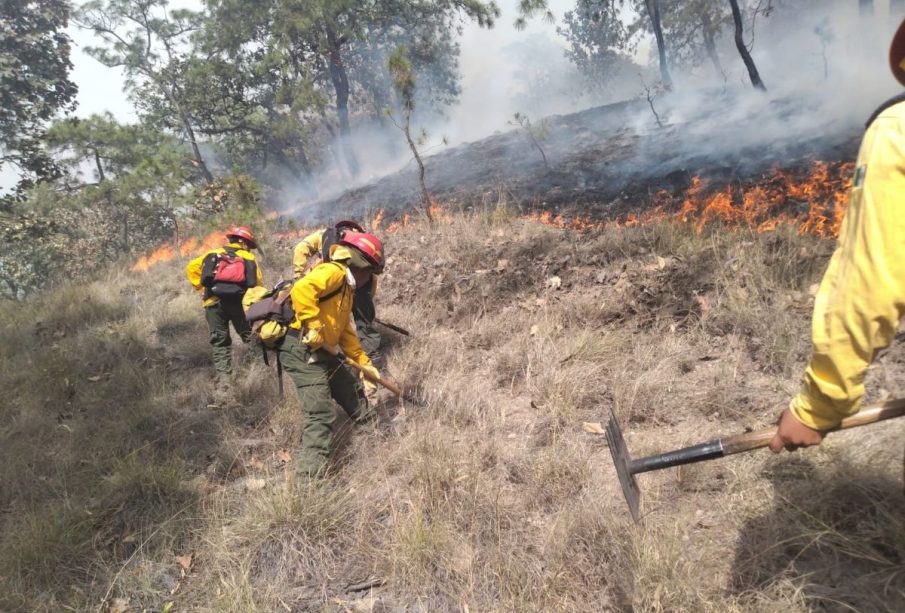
point(609, 161)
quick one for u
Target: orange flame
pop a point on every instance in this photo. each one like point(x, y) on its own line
point(378, 220)
point(778, 199)
point(166, 252)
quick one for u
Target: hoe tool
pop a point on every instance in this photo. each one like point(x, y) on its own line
point(396, 389)
point(393, 327)
point(627, 468)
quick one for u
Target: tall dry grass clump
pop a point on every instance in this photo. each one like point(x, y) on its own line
point(122, 489)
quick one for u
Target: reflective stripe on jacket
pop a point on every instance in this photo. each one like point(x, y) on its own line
point(862, 296)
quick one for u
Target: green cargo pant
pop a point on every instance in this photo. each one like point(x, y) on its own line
point(219, 316)
point(363, 311)
point(318, 385)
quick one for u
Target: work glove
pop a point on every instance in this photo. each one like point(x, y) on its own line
point(370, 388)
point(314, 337)
point(369, 371)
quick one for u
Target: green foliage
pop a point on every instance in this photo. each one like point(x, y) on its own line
point(528, 9)
point(598, 39)
point(148, 41)
point(403, 80)
point(34, 83)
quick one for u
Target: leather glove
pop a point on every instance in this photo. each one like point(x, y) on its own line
point(369, 386)
point(314, 338)
point(369, 371)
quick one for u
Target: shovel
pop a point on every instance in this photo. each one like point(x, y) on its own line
point(627, 468)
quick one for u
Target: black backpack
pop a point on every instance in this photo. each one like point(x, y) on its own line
point(227, 275)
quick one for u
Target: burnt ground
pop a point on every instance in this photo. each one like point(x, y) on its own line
point(608, 161)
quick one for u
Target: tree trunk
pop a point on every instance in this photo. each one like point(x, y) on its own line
point(743, 50)
point(170, 95)
point(100, 167)
point(125, 233)
point(710, 43)
point(866, 7)
point(199, 160)
point(341, 86)
point(425, 196)
point(653, 11)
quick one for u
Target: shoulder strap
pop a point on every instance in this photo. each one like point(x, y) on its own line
point(328, 240)
point(230, 251)
point(892, 101)
point(339, 289)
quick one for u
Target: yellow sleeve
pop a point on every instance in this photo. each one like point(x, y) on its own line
point(862, 296)
point(193, 271)
point(348, 341)
point(259, 274)
point(307, 247)
point(305, 292)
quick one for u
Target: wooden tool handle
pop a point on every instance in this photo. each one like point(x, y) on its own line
point(867, 415)
point(749, 441)
point(380, 381)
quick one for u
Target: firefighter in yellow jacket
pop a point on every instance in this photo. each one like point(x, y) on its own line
point(223, 297)
point(315, 248)
point(322, 301)
point(862, 296)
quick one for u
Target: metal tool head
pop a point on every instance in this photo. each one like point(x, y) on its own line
point(622, 461)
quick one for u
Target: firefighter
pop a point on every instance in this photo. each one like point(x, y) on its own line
point(315, 248)
point(862, 296)
point(322, 300)
point(223, 299)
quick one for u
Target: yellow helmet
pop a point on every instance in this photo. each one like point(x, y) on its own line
point(897, 54)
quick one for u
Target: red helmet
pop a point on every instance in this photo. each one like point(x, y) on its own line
point(368, 245)
point(348, 224)
point(897, 54)
point(243, 232)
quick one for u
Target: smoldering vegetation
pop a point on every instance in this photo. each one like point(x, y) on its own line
point(612, 139)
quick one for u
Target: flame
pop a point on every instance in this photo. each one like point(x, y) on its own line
point(166, 252)
point(378, 220)
point(815, 204)
point(777, 199)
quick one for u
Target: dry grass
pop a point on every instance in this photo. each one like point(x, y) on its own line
point(492, 497)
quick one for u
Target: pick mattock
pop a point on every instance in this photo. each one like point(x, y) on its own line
point(627, 468)
point(396, 389)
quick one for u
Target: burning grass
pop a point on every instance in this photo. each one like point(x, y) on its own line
point(494, 496)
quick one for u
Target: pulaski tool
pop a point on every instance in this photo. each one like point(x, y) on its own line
point(396, 389)
point(393, 327)
point(627, 468)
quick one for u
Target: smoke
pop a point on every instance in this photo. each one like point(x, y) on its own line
point(824, 65)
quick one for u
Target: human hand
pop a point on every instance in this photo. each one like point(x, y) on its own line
point(369, 373)
point(792, 434)
point(314, 338)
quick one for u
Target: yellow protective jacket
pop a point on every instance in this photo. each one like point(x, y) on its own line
point(306, 248)
point(193, 270)
point(862, 296)
point(333, 315)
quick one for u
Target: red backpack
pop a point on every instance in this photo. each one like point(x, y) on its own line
point(227, 274)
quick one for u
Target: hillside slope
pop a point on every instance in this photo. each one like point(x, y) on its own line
point(123, 488)
point(608, 161)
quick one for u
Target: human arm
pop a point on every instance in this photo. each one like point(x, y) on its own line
point(862, 296)
point(305, 248)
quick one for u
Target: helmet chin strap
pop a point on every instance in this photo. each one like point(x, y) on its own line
point(350, 277)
